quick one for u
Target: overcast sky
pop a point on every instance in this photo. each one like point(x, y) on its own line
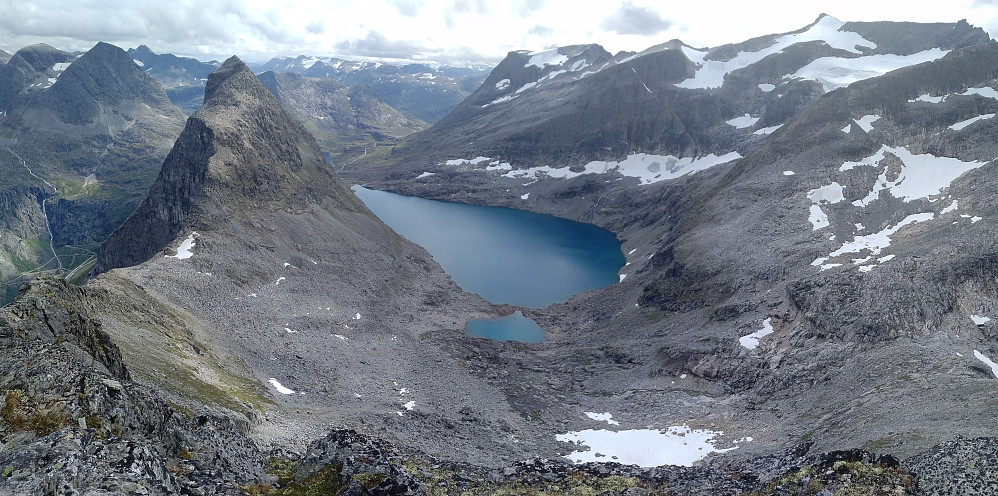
point(434, 30)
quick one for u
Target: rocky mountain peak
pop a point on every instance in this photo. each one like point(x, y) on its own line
point(38, 57)
point(233, 78)
point(104, 76)
point(239, 155)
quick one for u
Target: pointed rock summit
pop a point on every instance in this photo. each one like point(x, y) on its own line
point(240, 155)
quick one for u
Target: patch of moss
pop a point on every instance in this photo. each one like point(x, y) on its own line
point(370, 480)
point(23, 416)
point(325, 482)
point(282, 468)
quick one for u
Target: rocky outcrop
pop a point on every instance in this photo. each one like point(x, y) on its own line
point(72, 420)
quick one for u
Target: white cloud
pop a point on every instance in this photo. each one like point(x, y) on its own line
point(440, 29)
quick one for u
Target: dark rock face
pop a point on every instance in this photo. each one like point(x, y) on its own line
point(105, 75)
point(160, 217)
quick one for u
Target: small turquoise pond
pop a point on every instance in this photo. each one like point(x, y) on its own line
point(507, 256)
point(515, 327)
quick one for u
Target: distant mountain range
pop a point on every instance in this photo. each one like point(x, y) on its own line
point(183, 77)
point(348, 122)
point(424, 91)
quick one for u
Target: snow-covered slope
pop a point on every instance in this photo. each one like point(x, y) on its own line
point(577, 110)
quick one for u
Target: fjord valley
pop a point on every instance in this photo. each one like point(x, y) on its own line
point(805, 303)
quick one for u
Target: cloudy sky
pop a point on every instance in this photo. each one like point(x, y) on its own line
point(434, 30)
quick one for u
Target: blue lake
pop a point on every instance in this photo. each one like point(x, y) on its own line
point(508, 256)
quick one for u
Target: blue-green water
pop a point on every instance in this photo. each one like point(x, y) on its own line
point(514, 327)
point(508, 256)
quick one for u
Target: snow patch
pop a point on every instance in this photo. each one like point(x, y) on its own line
point(951, 208)
point(928, 99)
point(280, 388)
point(839, 72)
point(847, 129)
point(678, 445)
point(828, 194)
point(962, 124)
point(767, 130)
point(743, 121)
point(752, 340)
point(789, 173)
point(817, 217)
point(987, 92)
point(766, 87)
point(525, 196)
point(426, 174)
point(503, 84)
point(602, 417)
point(987, 361)
point(879, 240)
point(61, 66)
point(409, 405)
point(648, 168)
point(921, 175)
point(184, 251)
point(545, 58)
point(463, 161)
point(866, 122)
point(980, 320)
point(711, 73)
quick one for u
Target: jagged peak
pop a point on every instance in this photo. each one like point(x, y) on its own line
point(232, 84)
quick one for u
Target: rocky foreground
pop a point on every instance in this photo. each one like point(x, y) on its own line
point(73, 422)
